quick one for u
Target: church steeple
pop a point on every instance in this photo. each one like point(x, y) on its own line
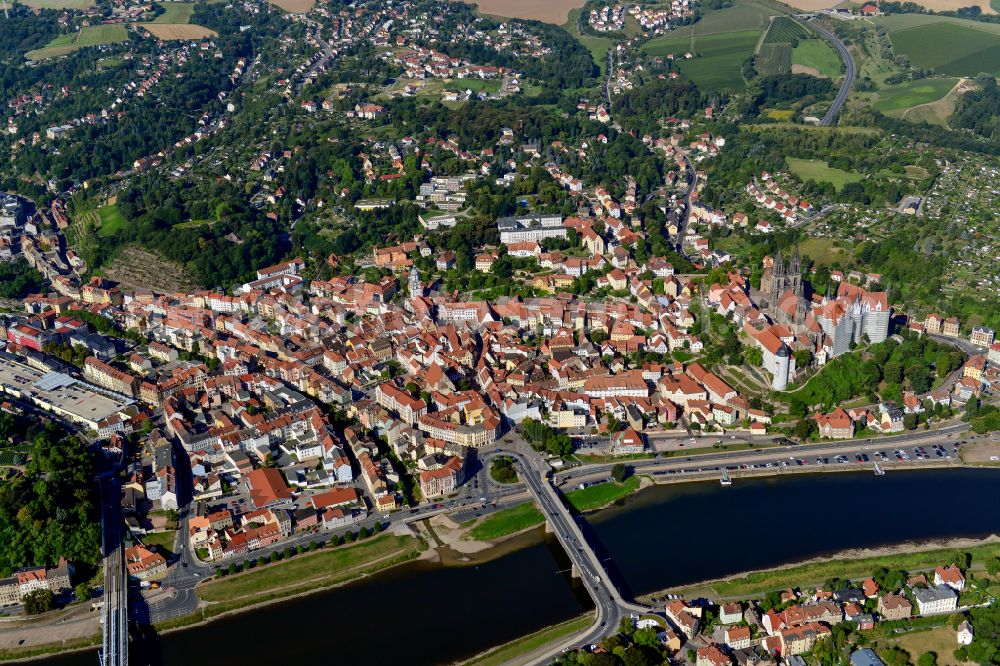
point(796, 266)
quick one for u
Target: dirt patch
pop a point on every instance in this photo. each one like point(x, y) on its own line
point(553, 11)
point(804, 69)
point(981, 452)
point(136, 268)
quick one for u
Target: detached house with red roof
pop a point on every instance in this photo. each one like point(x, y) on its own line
point(951, 576)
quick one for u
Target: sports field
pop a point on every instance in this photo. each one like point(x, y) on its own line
point(175, 12)
point(817, 55)
point(912, 93)
point(950, 46)
point(821, 172)
point(182, 31)
point(94, 35)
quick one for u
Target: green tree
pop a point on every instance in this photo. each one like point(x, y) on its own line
point(39, 601)
point(83, 592)
point(927, 659)
point(619, 472)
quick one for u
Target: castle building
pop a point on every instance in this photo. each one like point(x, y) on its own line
point(852, 315)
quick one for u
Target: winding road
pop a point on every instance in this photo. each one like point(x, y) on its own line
point(849, 75)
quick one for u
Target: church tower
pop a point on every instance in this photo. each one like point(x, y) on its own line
point(793, 281)
point(416, 289)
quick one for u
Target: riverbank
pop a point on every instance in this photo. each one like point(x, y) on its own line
point(519, 647)
point(854, 564)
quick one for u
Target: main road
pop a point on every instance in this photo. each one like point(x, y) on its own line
point(849, 74)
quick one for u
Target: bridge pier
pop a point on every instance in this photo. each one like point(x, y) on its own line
point(574, 572)
point(548, 527)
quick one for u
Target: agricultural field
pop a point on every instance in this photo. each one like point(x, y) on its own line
point(722, 40)
point(821, 172)
point(719, 57)
point(58, 4)
point(175, 12)
point(773, 58)
point(553, 11)
point(784, 30)
point(94, 35)
point(294, 6)
point(900, 97)
point(182, 31)
point(950, 46)
point(815, 56)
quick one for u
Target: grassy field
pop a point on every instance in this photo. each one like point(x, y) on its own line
point(940, 640)
point(507, 653)
point(111, 220)
point(507, 521)
point(94, 35)
point(818, 55)
point(595, 497)
point(821, 250)
point(312, 571)
point(743, 15)
point(719, 57)
point(175, 12)
point(812, 574)
point(182, 31)
point(821, 172)
point(950, 46)
point(912, 93)
point(598, 46)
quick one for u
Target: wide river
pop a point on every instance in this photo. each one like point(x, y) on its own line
point(425, 613)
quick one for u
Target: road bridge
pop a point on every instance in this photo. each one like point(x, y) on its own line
point(611, 607)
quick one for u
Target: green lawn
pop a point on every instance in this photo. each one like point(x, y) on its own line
point(821, 172)
point(175, 12)
point(509, 652)
point(818, 54)
point(312, 571)
point(952, 48)
point(912, 93)
point(111, 220)
point(507, 521)
point(595, 497)
point(813, 574)
point(719, 57)
point(164, 541)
